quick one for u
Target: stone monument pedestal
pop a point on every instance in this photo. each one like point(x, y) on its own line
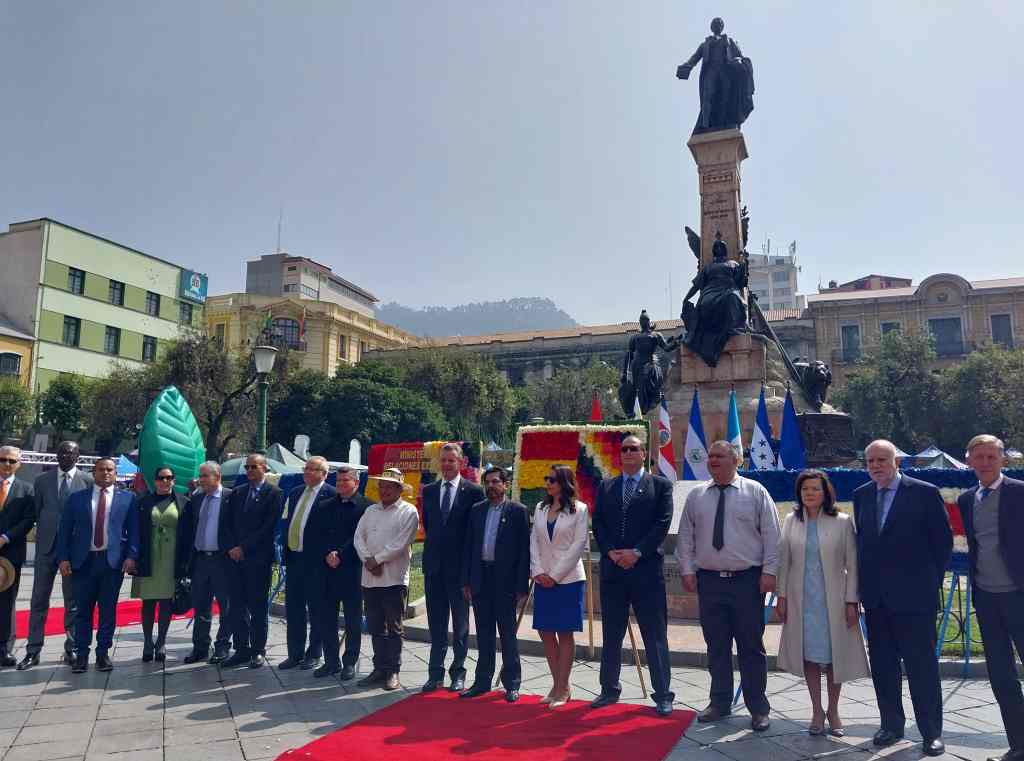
point(718, 155)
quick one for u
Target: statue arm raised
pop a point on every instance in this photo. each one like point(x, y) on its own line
point(684, 69)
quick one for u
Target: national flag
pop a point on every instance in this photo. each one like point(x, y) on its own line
point(695, 462)
point(762, 457)
point(595, 409)
point(666, 458)
point(732, 433)
point(791, 445)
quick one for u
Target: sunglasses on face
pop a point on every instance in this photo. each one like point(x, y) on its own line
point(630, 449)
point(549, 479)
point(253, 467)
point(9, 461)
point(165, 478)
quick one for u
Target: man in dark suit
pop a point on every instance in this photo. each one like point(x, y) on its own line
point(17, 516)
point(98, 542)
point(495, 579)
point(52, 489)
point(993, 515)
point(255, 508)
point(446, 506)
point(205, 534)
point(303, 567)
point(329, 535)
point(631, 518)
point(903, 547)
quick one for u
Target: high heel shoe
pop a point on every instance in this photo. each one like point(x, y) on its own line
point(817, 727)
point(161, 654)
point(835, 731)
point(561, 701)
point(548, 698)
point(147, 651)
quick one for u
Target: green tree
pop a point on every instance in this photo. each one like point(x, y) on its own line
point(15, 407)
point(568, 395)
point(61, 405)
point(893, 394)
point(297, 406)
point(115, 405)
point(982, 394)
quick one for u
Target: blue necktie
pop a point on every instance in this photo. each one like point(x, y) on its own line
point(446, 501)
point(985, 491)
point(881, 509)
point(627, 496)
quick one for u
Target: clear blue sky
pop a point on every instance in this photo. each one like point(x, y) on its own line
point(445, 152)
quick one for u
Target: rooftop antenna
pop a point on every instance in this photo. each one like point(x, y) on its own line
point(280, 217)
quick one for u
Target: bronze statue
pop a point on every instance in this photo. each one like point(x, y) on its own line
point(720, 311)
point(726, 81)
point(642, 375)
point(817, 377)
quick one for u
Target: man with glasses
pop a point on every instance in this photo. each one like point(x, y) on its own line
point(254, 509)
point(17, 516)
point(303, 567)
point(205, 534)
point(631, 518)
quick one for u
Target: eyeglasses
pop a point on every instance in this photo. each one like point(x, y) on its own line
point(550, 479)
point(631, 449)
point(9, 461)
point(252, 467)
point(165, 478)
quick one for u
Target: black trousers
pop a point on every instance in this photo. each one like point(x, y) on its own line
point(732, 609)
point(300, 594)
point(7, 601)
point(1001, 618)
point(326, 611)
point(493, 609)
point(249, 606)
point(644, 590)
point(444, 601)
point(909, 637)
point(385, 607)
point(96, 585)
point(211, 577)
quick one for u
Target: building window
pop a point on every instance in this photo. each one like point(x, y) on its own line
point(72, 331)
point(153, 303)
point(185, 313)
point(286, 330)
point(115, 293)
point(342, 347)
point(1002, 330)
point(148, 348)
point(76, 281)
point(289, 287)
point(362, 349)
point(780, 292)
point(949, 338)
point(851, 343)
point(10, 364)
point(890, 327)
point(291, 268)
point(112, 340)
point(218, 335)
point(780, 276)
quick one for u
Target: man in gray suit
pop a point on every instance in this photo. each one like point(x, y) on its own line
point(52, 490)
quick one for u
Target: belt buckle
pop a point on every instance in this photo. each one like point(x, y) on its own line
point(726, 574)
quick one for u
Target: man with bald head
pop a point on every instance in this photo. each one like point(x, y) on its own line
point(903, 546)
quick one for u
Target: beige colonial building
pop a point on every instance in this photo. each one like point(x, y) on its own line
point(323, 334)
point(962, 316)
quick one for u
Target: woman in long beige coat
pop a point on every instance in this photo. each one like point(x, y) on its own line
point(818, 600)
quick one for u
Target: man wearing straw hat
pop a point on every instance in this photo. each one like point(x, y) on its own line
point(383, 542)
point(17, 516)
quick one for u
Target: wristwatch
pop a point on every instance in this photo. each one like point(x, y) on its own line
point(638, 553)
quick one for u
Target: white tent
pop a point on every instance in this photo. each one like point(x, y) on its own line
point(933, 457)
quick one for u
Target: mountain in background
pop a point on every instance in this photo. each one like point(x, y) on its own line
point(477, 319)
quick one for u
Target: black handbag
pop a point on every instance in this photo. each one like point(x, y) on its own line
point(182, 600)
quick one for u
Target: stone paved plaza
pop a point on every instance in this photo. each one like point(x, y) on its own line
point(143, 712)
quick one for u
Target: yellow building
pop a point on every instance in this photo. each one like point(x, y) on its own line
point(322, 334)
point(15, 354)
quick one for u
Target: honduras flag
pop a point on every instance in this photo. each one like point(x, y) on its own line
point(695, 464)
point(733, 428)
point(761, 455)
point(791, 446)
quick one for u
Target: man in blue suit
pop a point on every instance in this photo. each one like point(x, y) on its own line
point(903, 546)
point(98, 543)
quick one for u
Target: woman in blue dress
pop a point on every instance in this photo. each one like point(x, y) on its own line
point(560, 534)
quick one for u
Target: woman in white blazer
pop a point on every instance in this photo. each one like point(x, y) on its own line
point(560, 535)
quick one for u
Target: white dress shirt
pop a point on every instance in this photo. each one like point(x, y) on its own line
point(10, 485)
point(386, 534)
point(106, 520)
point(65, 479)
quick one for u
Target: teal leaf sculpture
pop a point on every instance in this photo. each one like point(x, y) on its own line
point(170, 436)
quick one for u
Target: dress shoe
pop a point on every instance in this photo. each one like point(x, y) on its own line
point(196, 656)
point(511, 696)
point(604, 699)
point(476, 690)
point(760, 722)
point(1010, 755)
point(257, 661)
point(80, 665)
point(458, 684)
point(372, 679)
point(103, 662)
point(884, 738)
point(67, 659)
point(348, 673)
point(391, 683)
point(7, 661)
point(219, 655)
point(30, 660)
point(934, 747)
point(147, 652)
point(288, 663)
point(328, 669)
point(432, 684)
point(309, 663)
point(713, 713)
point(663, 708)
point(240, 658)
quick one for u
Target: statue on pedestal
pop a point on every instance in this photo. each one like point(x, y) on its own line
point(642, 375)
point(726, 81)
point(721, 311)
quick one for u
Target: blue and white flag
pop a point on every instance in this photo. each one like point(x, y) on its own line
point(732, 432)
point(695, 464)
point(791, 445)
point(762, 457)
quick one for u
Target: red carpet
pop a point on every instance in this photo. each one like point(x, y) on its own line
point(439, 725)
point(129, 613)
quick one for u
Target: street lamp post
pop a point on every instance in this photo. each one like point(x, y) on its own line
point(264, 357)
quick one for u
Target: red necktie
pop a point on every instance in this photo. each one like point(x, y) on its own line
point(101, 519)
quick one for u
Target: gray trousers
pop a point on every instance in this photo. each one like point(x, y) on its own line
point(42, 587)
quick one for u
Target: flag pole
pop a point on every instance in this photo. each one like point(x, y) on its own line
point(590, 596)
point(636, 653)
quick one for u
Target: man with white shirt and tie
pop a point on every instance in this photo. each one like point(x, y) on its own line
point(52, 490)
point(300, 582)
point(17, 516)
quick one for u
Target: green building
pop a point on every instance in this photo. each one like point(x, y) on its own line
point(89, 301)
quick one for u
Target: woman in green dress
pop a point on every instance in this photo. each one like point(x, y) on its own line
point(154, 582)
